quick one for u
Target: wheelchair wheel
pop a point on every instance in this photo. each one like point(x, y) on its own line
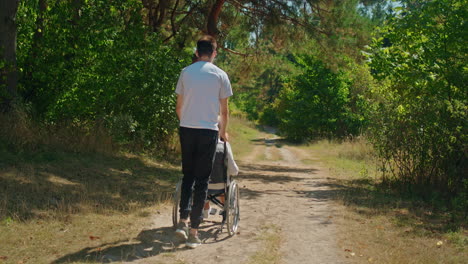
point(231, 208)
point(175, 204)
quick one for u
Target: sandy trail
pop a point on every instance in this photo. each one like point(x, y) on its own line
point(282, 196)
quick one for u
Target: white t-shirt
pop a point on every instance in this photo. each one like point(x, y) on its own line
point(202, 84)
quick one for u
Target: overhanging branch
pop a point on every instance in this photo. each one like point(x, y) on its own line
point(236, 52)
point(257, 11)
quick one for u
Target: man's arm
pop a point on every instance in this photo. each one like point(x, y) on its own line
point(224, 119)
point(180, 100)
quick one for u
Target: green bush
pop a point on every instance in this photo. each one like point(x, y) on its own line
point(316, 103)
point(98, 62)
point(419, 127)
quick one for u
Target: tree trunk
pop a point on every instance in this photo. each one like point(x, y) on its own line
point(8, 73)
point(162, 15)
point(212, 25)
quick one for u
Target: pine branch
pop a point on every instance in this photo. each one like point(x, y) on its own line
point(236, 52)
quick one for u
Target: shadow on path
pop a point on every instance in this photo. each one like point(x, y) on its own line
point(249, 167)
point(148, 243)
point(369, 199)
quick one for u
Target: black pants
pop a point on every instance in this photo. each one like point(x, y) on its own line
point(198, 149)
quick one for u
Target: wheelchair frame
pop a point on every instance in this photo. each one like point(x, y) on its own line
point(231, 213)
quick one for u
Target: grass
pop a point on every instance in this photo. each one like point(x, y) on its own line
point(382, 225)
point(56, 203)
point(46, 240)
point(269, 254)
point(241, 133)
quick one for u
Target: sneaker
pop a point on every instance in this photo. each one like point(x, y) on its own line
point(193, 241)
point(182, 231)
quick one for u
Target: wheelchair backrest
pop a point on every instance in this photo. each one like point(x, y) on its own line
point(219, 172)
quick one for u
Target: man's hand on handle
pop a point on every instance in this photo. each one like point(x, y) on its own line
point(224, 136)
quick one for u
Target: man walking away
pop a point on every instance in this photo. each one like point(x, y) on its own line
point(202, 91)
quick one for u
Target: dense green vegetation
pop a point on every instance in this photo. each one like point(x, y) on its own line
point(420, 122)
point(394, 72)
point(100, 66)
point(317, 103)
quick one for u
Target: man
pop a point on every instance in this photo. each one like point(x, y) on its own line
point(202, 91)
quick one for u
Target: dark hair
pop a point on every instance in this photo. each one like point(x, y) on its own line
point(206, 45)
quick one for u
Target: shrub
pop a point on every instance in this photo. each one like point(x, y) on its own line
point(97, 62)
point(419, 128)
point(316, 103)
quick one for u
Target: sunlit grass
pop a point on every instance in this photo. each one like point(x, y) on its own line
point(57, 203)
point(269, 254)
point(45, 240)
point(346, 159)
point(242, 132)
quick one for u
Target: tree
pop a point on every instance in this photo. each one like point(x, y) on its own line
point(8, 72)
point(314, 103)
point(420, 128)
point(337, 39)
point(180, 20)
point(94, 62)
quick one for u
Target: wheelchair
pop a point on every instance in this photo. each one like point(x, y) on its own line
point(220, 184)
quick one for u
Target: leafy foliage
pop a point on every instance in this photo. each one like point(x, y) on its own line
point(419, 127)
point(335, 43)
point(98, 62)
point(114, 64)
point(316, 103)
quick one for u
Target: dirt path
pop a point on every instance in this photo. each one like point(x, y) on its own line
point(285, 207)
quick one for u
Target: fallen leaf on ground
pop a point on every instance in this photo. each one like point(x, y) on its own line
point(347, 250)
point(94, 237)
point(3, 257)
